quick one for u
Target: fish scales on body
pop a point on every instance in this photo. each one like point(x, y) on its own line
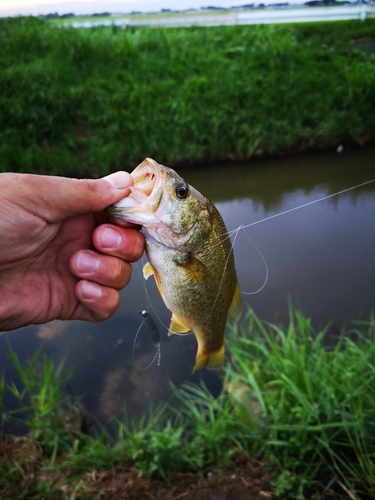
point(189, 253)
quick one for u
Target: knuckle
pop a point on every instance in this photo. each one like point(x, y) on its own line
point(136, 243)
point(123, 274)
point(117, 273)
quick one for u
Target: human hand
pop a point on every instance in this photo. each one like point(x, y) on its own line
point(60, 256)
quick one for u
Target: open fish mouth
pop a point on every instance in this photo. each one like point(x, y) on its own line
point(169, 210)
point(145, 195)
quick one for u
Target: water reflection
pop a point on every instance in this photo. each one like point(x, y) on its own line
point(321, 257)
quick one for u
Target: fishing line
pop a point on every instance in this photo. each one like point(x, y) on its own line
point(153, 331)
point(225, 269)
point(265, 265)
point(228, 234)
point(236, 232)
point(148, 300)
point(157, 354)
point(244, 226)
point(304, 205)
point(151, 306)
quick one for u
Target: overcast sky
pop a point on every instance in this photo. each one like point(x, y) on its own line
point(35, 7)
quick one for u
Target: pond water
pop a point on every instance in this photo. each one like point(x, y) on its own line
point(320, 257)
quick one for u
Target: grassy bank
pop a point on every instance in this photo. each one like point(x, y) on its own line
point(306, 410)
point(83, 101)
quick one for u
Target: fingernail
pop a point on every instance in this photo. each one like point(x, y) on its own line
point(86, 262)
point(119, 180)
point(91, 290)
point(110, 238)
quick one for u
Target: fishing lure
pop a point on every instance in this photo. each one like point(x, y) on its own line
point(152, 328)
point(153, 331)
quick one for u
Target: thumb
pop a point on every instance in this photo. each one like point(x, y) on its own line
point(56, 198)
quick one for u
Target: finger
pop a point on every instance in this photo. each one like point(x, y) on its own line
point(125, 243)
point(101, 269)
point(100, 300)
point(55, 198)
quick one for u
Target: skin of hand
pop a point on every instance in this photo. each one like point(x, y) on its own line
point(61, 256)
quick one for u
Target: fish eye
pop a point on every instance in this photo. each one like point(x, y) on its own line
point(181, 191)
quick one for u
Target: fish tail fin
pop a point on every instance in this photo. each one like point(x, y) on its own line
point(212, 359)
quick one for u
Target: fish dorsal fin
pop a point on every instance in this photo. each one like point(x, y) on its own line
point(147, 270)
point(236, 304)
point(177, 326)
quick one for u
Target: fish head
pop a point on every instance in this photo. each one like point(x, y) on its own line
point(171, 212)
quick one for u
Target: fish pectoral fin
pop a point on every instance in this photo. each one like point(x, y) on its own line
point(195, 269)
point(212, 360)
point(177, 326)
point(147, 270)
point(236, 304)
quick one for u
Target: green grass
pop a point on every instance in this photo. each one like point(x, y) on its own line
point(42, 404)
point(85, 101)
point(308, 410)
point(317, 405)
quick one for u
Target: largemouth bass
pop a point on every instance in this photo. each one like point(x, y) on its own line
point(189, 253)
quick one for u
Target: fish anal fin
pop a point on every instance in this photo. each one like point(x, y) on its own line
point(177, 326)
point(147, 270)
point(212, 359)
point(236, 304)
